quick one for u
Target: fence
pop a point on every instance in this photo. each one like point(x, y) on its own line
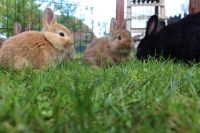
point(29, 13)
point(139, 11)
point(73, 14)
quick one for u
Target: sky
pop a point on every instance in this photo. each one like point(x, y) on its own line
point(176, 7)
point(104, 10)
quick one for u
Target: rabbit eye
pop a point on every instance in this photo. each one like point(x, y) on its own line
point(61, 34)
point(119, 37)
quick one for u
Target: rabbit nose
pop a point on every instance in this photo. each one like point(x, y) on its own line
point(68, 44)
point(132, 45)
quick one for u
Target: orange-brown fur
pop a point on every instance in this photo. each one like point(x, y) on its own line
point(105, 50)
point(37, 49)
point(34, 53)
point(70, 51)
point(17, 29)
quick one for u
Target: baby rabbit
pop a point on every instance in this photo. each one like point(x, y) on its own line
point(180, 40)
point(37, 49)
point(70, 51)
point(116, 48)
point(18, 28)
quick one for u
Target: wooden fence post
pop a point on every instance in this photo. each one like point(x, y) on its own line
point(120, 12)
point(194, 6)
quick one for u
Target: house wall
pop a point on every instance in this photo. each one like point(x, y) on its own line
point(139, 11)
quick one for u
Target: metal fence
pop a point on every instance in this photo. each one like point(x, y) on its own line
point(29, 14)
point(74, 16)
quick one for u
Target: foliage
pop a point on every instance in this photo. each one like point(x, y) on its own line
point(152, 96)
point(29, 13)
point(26, 12)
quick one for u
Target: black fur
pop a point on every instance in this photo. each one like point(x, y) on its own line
point(180, 40)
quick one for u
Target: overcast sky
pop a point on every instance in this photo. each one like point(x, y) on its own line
point(174, 7)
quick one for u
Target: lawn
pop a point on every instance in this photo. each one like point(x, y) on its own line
point(143, 97)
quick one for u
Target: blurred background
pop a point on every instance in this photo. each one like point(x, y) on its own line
point(88, 19)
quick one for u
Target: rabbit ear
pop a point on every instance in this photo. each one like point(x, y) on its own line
point(17, 28)
point(151, 25)
point(113, 25)
point(160, 26)
point(122, 25)
point(48, 18)
point(29, 27)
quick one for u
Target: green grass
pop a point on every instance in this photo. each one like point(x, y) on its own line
point(143, 97)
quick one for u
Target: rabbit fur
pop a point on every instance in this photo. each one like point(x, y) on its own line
point(115, 48)
point(179, 41)
point(37, 49)
point(70, 51)
point(17, 30)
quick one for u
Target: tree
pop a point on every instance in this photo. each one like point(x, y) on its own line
point(26, 12)
point(29, 13)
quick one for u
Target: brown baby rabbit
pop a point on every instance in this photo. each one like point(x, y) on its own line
point(18, 29)
point(116, 48)
point(37, 49)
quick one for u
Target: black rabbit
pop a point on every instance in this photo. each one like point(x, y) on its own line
point(180, 40)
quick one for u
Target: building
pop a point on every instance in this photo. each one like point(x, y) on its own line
point(139, 11)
